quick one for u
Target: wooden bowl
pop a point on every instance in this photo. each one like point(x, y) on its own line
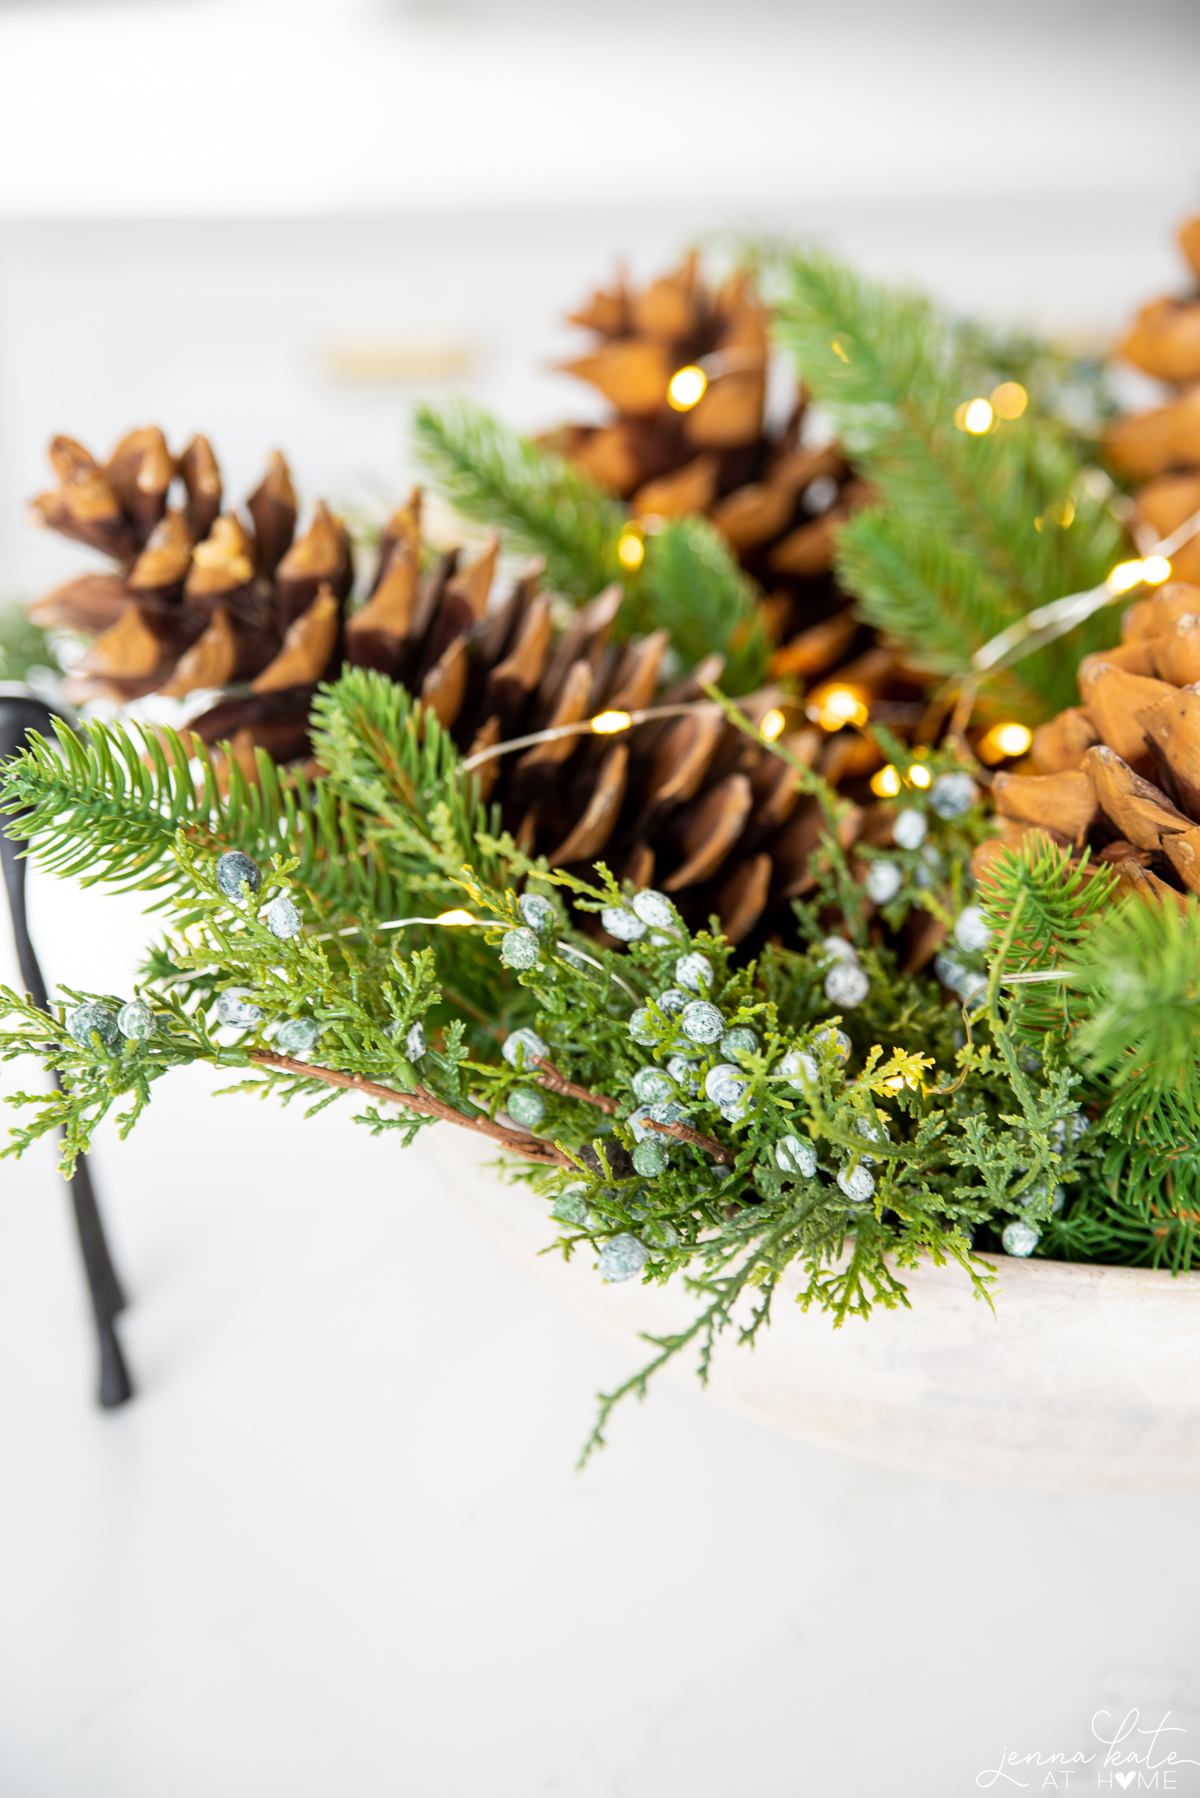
point(1084, 1378)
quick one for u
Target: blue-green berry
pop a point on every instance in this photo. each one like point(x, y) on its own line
point(835, 1040)
point(702, 1022)
point(694, 971)
point(952, 795)
point(846, 985)
point(654, 908)
point(857, 1183)
point(528, 1040)
point(910, 828)
point(644, 1027)
point(237, 872)
point(796, 1155)
point(724, 1083)
point(671, 1001)
point(520, 948)
point(637, 1123)
point(622, 1257)
point(282, 918)
point(650, 1084)
point(799, 1067)
point(650, 1158)
point(570, 1207)
point(91, 1020)
point(1020, 1238)
point(883, 881)
point(683, 1072)
point(414, 1042)
point(296, 1036)
point(739, 1041)
point(537, 912)
point(236, 1008)
point(622, 924)
point(136, 1021)
point(526, 1106)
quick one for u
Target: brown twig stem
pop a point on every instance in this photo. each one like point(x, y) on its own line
point(530, 1148)
point(684, 1133)
point(555, 1082)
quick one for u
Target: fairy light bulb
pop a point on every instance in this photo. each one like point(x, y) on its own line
point(834, 707)
point(772, 725)
point(1004, 740)
point(631, 550)
point(1128, 574)
point(1009, 400)
point(920, 775)
point(686, 388)
point(454, 917)
point(974, 416)
point(1156, 570)
point(606, 724)
point(886, 783)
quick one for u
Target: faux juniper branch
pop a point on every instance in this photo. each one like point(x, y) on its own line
point(971, 531)
point(688, 583)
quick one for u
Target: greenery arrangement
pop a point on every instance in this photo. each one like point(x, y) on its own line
point(833, 1101)
point(678, 1111)
point(681, 578)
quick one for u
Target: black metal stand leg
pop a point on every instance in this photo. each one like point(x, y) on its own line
point(17, 717)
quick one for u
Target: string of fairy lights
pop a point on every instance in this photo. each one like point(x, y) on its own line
point(837, 706)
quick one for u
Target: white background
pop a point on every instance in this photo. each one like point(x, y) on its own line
point(336, 1545)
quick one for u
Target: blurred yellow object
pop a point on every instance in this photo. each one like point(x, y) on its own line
point(454, 917)
point(606, 723)
point(772, 725)
point(1009, 400)
point(919, 776)
point(834, 707)
point(631, 550)
point(686, 388)
point(974, 416)
point(1004, 740)
point(1156, 570)
point(886, 784)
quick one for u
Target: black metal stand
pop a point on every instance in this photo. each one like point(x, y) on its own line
point(18, 716)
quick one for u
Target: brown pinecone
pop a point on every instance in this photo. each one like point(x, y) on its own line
point(1162, 447)
point(1120, 774)
point(777, 502)
point(201, 599)
point(198, 598)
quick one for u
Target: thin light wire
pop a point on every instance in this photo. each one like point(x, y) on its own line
point(394, 924)
point(1045, 623)
point(582, 728)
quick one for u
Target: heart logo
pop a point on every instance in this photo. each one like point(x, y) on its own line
point(1125, 1780)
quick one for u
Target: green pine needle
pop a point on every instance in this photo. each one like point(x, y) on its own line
point(688, 583)
point(970, 532)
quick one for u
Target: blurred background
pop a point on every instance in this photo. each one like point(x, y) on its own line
point(335, 1545)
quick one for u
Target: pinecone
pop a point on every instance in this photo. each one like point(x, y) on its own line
point(685, 370)
point(198, 599)
point(1120, 774)
point(1162, 447)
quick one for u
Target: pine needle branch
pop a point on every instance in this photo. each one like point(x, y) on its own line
point(971, 532)
point(688, 583)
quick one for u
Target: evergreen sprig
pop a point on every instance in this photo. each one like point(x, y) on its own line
point(969, 532)
point(687, 584)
